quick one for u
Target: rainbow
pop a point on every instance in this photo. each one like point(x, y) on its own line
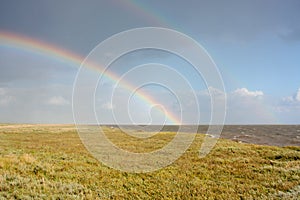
point(12, 40)
point(161, 19)
point(141, 9)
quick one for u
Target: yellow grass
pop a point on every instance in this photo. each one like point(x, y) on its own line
point(49, 161)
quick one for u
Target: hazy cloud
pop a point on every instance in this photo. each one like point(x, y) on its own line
point(5, 98)
point(2, 91)
point(108, 106)
point(288, 109)
point(289, 104)
point(297, 96)
point(57, 101)
point(49, 104)
point(295, 99)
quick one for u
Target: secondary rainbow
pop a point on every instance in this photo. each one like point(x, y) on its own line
point(12, 40)
point(142, 9)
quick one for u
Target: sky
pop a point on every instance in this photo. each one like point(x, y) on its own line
point(254, 44)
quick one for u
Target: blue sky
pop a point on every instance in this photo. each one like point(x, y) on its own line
point(255, 45)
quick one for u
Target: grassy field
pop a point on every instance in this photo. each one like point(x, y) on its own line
point(44, 162)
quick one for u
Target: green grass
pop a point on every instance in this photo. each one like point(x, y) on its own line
point(51, 162)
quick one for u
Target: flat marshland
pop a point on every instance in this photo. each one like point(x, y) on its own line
point(50, 161)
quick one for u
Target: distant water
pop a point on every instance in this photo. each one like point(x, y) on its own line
point(275, 135)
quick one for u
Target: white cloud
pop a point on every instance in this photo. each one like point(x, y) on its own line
point(244, 92)
point(243, 106)
point(249, 107)
point(297, 96)
point(288, 109)
point(289, 104)
point(292, 99)
point(108, 106)
point(58, 101)
point(288, 99)
point(211, 91)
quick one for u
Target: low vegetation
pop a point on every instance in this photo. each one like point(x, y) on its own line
point(43, 161)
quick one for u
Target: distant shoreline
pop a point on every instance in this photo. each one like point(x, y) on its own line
point(271, 135)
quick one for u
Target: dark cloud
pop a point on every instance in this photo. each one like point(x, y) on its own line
point(234, 19)
point(80, 25)
point(76, 25)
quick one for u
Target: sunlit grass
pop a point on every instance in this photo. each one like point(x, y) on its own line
point(50, 161)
